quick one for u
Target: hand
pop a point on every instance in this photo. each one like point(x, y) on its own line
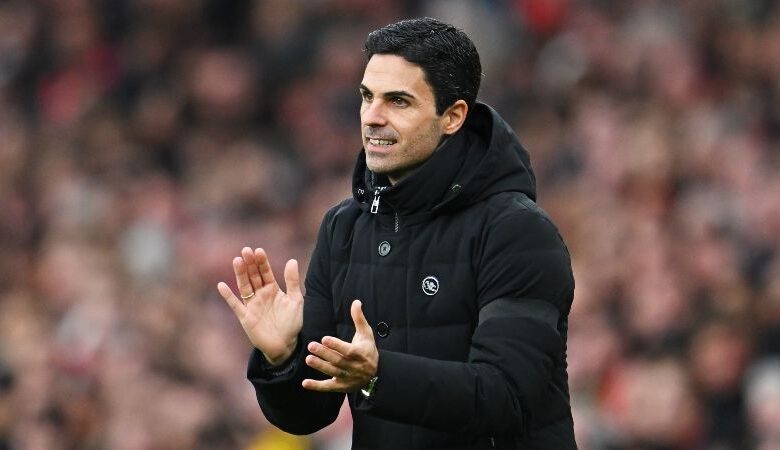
point(270, 317)
point(350, 365)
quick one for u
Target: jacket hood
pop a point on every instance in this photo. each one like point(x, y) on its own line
point(482, 159)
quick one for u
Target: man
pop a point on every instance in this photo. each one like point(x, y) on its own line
point(458, 339)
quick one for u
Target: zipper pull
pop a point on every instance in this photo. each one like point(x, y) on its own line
point(375, 202)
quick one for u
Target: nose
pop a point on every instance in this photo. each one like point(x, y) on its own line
point(373, 114)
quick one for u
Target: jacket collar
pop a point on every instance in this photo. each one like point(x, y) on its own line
point(483, 158)
point(422, 189)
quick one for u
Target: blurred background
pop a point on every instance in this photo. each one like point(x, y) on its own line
point(144, 142)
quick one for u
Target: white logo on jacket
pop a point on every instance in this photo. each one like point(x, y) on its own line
point(430, 285)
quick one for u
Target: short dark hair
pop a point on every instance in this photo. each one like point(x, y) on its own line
point(446, 55)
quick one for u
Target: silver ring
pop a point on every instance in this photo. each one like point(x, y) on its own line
point(248, 296)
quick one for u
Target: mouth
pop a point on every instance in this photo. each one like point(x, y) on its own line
point(381, 142)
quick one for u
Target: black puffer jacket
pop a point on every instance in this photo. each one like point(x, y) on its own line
point(467, 286)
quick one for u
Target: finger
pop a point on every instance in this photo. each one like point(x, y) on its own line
point(264, 267)
point(336, 344)
point(251, 265)
point(242, 278)
point(325, 353)
point(235, 304)
point(331, 385)
point(325, 367)
point(291, 277)
point(361, 323)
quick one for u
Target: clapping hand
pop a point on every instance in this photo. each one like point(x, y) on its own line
point(271, 318)
point(351, 365)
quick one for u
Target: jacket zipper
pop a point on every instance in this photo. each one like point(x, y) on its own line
point(375, 209)
point(375, 202)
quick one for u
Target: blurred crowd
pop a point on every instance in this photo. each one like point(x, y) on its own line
point(144, 142)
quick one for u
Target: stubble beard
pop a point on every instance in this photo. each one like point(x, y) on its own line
point(433, 138)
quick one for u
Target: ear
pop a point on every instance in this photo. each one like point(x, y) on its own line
point(454, 117)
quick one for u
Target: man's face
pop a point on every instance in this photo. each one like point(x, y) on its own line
point(400, 127)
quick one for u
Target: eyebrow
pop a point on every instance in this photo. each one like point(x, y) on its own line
point(406, 94)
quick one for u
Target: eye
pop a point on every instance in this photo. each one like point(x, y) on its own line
point(399, 101)
point(366, 96)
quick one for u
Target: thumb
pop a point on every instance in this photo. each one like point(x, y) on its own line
point(292, 278)
point(361, 324)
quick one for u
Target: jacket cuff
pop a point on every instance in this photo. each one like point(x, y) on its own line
point(389, 384)
point(262, 372)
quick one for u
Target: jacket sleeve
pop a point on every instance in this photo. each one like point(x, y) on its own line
point(282, 399)
point(524, 287)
